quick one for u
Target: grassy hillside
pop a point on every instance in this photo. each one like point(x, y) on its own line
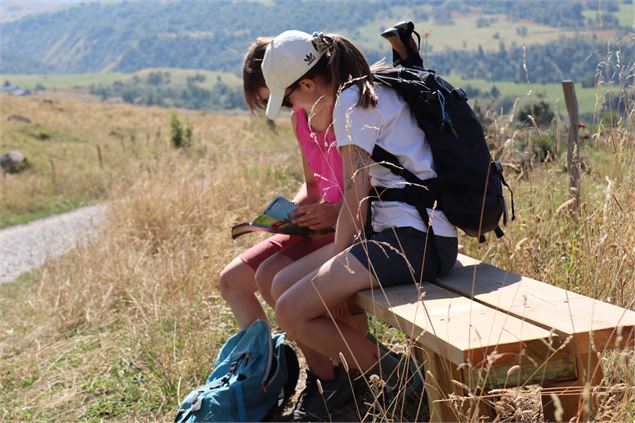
point(589, 98)
point(64, 149)
point(128, 36)
point(123, 328)
point(465, 33)
point(178, 78)
point(626, 14)
point(77, 150)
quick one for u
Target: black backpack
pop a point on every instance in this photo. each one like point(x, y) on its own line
point(468, 186)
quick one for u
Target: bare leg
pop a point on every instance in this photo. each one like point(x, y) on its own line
point(238, 288)
point(291, 274)
point(301, 312)
point(319, 364)
point(285, 278)
point(266, 273)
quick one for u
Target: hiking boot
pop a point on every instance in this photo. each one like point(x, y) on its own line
point(411, 379)
point(385, 400)
point(414, 381)
point(314, 406)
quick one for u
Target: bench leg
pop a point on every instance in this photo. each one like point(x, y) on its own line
point(574, 396)
point(438, 386)
point(443, 378)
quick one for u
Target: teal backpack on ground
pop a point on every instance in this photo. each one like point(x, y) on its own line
point(254, 375)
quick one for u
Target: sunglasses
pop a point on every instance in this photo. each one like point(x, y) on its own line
point(286, 102)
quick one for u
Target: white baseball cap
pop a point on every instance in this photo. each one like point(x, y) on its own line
point(289, 56)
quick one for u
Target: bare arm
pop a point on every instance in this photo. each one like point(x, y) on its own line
point(352, 215)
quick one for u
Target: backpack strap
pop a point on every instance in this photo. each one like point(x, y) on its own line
point(390, 162)
point(417, 196)
point(418, 193)
point(511, 193)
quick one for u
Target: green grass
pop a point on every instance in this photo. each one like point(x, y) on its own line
point(551, 93)
point(64, 81)
point(21, 282)
point(464, 33)
point(58, 207)
point(178, 78)
point(626, 15)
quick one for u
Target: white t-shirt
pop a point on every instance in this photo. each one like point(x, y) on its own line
point(391, 126)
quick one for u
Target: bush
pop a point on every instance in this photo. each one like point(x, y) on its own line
point(541, 112)
point(180, 132)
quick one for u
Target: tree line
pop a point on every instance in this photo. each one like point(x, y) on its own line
point(156, 90)
point(129, 36)
point(586, 60)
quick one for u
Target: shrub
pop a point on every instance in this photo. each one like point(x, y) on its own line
point(180, 132)
point(541, 111)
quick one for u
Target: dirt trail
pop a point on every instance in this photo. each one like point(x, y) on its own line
point(26, 247)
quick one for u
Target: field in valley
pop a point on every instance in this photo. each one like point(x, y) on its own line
point(123, 327)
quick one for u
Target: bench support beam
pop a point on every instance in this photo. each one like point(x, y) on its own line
point(575, 396)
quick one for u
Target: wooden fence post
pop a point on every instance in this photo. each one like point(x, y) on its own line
point(573, 150)
point(53, 172)
point(99, 157)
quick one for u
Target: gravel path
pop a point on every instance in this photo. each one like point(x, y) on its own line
point(26, 247)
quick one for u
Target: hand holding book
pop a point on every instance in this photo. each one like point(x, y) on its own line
point(316, 216)
point(277, 218)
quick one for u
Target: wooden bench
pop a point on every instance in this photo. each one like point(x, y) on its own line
point(481, 328)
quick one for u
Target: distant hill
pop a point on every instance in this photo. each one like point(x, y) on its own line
point(11, 10)
point(213, 35)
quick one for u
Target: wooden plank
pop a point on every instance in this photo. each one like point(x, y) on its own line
point(462, 331)
point(439, 386)
point(448, 398)
point(575, 399)
point(544, 305)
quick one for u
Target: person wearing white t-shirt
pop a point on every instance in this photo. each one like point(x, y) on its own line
point(398, 249)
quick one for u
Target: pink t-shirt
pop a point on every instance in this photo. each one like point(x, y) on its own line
point(320, 150)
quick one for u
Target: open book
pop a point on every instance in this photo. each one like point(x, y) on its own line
point(276, 219)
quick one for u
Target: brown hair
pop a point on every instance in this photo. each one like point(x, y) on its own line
point(253, 79)
point(344, 65)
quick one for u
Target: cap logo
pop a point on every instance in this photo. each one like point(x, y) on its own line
point(309, 58)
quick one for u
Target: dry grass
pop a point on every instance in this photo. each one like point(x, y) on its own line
point(124, 327)
point(78, 149)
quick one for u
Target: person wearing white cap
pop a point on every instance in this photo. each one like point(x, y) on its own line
point(319, 198)
point(288, 58)
point(397, 249)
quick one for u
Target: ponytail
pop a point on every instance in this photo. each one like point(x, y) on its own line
point(343, 65)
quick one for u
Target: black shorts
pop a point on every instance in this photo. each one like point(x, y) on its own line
point(395, 256)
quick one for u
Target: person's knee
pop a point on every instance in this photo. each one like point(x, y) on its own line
point(279, 285)
point(233, 279)
point(264, 278)
point(224, 282)
point(287, 316)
